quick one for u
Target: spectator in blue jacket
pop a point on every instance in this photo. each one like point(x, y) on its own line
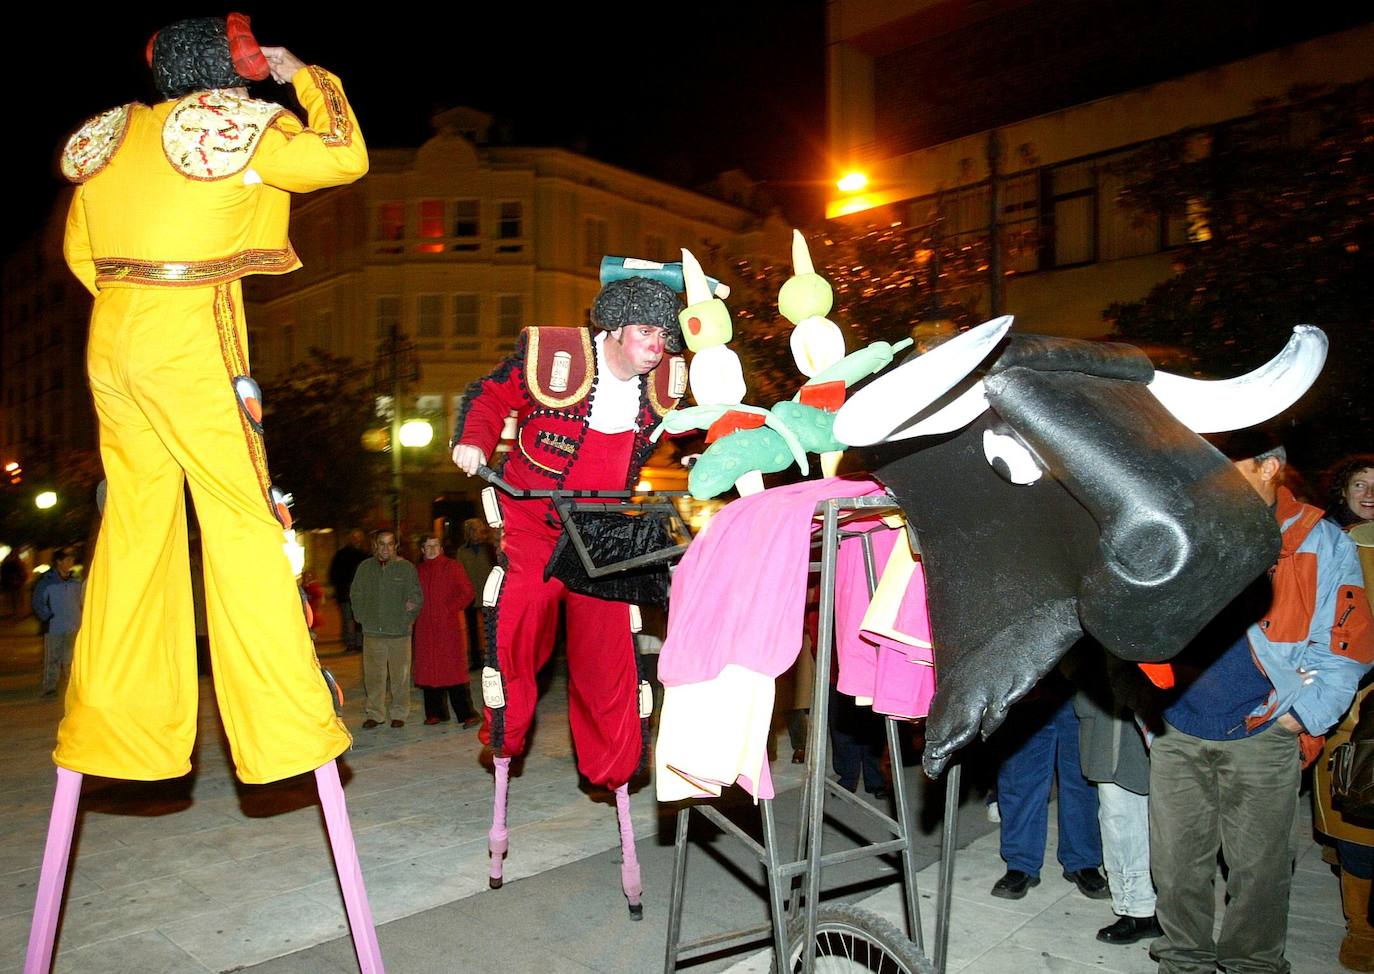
point(57, 604)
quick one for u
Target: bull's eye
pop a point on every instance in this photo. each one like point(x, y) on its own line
point(1012, 461)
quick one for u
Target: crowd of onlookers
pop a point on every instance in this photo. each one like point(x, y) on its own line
point(1166, 774)
point(1163, 774)
point(415, 624)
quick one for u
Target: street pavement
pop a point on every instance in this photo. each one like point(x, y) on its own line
point(204, 874)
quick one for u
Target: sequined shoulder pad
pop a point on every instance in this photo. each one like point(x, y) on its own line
point(93, 145)
point(213, 134)
point(667, 384)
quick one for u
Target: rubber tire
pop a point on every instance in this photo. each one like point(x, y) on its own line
point(885, 948)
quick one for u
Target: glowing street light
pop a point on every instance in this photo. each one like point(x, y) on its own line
point(416, 432)
point(851, 182)
point(45, 500)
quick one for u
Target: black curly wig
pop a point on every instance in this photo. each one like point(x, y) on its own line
point(639, 301)
point(1336, 480)
point(193, 55)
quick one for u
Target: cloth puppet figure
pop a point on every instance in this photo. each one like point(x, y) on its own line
point(1074, 496)
point(174, 205)
point(746, 441)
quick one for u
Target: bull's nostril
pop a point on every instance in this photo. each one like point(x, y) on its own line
point(1148, 552)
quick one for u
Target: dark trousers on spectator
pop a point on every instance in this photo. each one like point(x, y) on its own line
point(1048, 748)
point(856, 735)
point(437, 700)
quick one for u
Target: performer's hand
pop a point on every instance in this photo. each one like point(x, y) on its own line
point(468, 458)
point(282, 63)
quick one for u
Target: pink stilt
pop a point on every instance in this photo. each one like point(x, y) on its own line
point(498, 839)
point(52, 878)
point(349, 872)
point(629, 863)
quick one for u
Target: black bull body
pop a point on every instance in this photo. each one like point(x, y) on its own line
point(1137, 533)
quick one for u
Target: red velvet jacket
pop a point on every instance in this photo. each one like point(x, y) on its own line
point(548, 383)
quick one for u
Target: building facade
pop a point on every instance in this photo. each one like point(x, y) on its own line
point(1017, 120)
point(459, 244)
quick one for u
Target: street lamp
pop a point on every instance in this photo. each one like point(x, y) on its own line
point(416, 432)
point(45, 500)
point(851, 182)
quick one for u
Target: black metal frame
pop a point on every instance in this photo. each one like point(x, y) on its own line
point(809, 861)
point(625, 502)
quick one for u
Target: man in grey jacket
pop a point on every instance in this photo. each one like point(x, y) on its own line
point(1111, 748)
point(386, 599)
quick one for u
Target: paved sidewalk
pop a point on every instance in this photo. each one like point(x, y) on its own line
point(204, 874)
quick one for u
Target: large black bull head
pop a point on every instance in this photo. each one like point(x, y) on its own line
point(1066, 493)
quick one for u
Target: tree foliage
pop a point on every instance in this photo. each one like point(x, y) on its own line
point(886, 278)
point(315, 418)
point(1281, 211)
point(70, 521)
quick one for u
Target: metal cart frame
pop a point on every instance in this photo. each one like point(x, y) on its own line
point(785, 903)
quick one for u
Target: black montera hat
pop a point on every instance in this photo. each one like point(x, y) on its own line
point(196, 55)
point(639, 301)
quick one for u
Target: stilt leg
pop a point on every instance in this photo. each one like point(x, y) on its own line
point(629, 862)
point(498, 839)
point(346, 865)
point(53, 876)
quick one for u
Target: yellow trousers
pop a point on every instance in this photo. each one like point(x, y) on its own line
point(162, 363)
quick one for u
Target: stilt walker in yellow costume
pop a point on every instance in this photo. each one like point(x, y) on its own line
point(174, 205)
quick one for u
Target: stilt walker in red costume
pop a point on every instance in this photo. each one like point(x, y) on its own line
point(586, 402)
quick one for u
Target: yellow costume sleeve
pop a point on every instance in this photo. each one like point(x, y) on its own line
point(76, 243)
point(330, 152)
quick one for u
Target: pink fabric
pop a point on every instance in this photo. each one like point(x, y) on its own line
point(739, 599)
point(740, 591)
point(896, 676)
point(349, 872)
point(53, 876)
point(441, 628)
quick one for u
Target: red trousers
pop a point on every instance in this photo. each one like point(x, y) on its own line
point(603, 681)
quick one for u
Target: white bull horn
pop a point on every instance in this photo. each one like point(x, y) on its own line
point(1221, 405)
point(883, 409)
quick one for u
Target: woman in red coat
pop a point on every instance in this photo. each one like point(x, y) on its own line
point(441, 636)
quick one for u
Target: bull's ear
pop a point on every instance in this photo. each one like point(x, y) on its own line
point(890, 407)
point(1223, 405)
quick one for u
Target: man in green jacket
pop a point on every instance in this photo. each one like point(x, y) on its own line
point(386, 599)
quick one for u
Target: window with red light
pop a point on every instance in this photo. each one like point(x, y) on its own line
point(391, 226)
point(431, 227)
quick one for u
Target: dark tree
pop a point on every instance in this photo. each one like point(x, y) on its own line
point(315, 419)
point(887, 279)
point(1280, 208)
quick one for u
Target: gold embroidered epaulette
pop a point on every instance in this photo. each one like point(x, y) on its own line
point(93, 145)
point(213, 134)
point(558, 365)
point(667, 384)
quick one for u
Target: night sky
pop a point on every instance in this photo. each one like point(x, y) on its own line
point(680, 92)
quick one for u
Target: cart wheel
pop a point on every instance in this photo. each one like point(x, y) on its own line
point(850, 940)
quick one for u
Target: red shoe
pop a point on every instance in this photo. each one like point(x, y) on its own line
point(431, 721)
point(471, 722)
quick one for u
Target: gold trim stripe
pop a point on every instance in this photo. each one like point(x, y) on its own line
point(340, 125)
point(231, 351)
point(195, 273)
